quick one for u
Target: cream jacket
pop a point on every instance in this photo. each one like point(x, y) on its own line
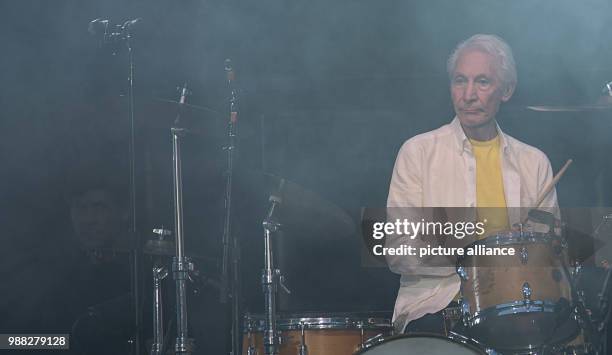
point(438, 169)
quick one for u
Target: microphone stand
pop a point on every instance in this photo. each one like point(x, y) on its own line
point(136, 254)
point(231, 251)
point(113, 36)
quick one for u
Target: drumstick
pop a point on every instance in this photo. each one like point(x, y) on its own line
point(549, 187)
point(552, 184)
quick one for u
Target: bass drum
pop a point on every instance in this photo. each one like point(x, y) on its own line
point(413, 344)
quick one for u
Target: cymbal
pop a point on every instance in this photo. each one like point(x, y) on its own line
point(575, 108)
point(301, 210)
point(603, 103)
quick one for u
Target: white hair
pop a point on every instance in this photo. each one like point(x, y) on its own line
point(493, 45)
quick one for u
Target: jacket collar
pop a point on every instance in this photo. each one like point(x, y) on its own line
point(463, 143)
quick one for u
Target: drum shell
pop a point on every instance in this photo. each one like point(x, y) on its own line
point(324, 334)
point(517, 302)
point(495, 280)
point(318, 341)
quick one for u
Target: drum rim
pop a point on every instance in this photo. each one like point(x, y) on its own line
point(465, 341)
point(322, 320)
point(510, 308)
point(516, 237)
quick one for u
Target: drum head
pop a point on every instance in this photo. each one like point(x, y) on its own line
point(522, 331)
point(421, 344)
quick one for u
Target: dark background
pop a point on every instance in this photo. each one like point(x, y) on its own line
point(328, 93)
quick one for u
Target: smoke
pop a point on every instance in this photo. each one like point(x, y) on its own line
point(339, 84)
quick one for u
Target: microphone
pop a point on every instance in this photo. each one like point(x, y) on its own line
point(130, 23)
point(607, 89)
point(101, 26)
point(97, 26)
point(229, 70)
point(183, 97)
point(231, 76)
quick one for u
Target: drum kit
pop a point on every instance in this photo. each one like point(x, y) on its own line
point(536, 304)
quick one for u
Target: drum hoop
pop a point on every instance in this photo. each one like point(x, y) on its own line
point(515, 307)
point(517, 238)
point(464, 341)
point(311, 321)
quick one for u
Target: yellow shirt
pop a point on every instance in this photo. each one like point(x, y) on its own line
point(490, 185)
point(489, 188)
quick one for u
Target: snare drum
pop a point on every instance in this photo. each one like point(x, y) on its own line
point(417, 344)
point(320, 333)
point(517, 302)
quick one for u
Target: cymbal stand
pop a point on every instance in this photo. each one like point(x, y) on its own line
point(604, 294)
point(270, 278)
point(181, 265)
point(602, 327)
point(579, 307)
point(160, 272)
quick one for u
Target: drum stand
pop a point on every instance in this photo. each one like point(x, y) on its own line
point(159, 273)
point(596, 332)
point(602, 328)
point(270, 278)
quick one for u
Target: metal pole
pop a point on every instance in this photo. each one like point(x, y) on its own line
point(159, 273)
point(270, 277)
point(268, 281)
point(180, 265)
point(231, 249)
point(135, 267)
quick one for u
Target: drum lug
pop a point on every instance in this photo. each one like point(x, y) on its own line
point(462, 273)
point(524, 255)
point(303, 347)
point(361, 333)
point(577, 272)
point(465, 311)
point(251, 350)
point(526, 293)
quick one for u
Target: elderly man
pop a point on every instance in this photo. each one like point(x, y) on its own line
point(469, 162)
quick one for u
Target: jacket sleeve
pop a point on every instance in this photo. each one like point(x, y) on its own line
point(405, 201)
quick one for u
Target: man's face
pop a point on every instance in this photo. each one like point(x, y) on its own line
point(476, 88)
point(95, 219)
